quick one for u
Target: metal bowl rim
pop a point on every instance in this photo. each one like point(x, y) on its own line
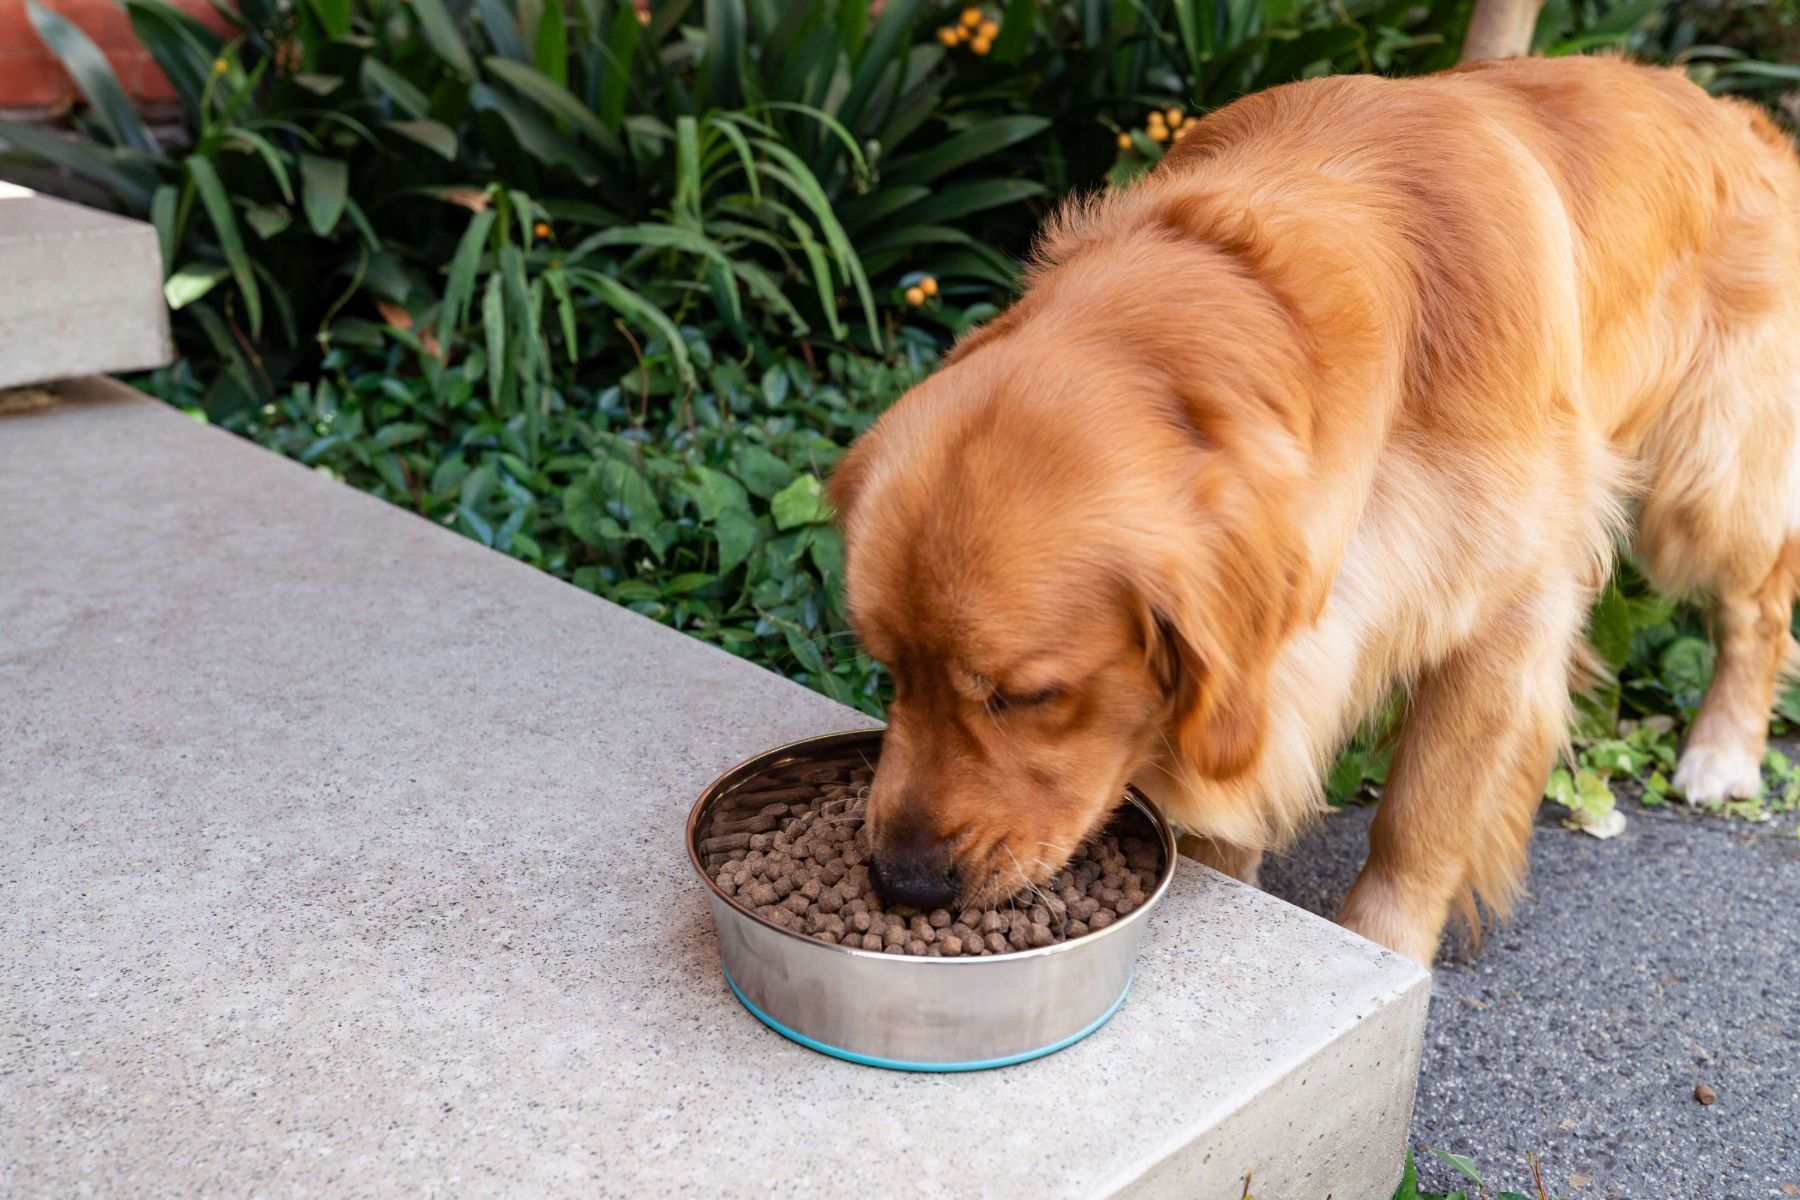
point(1132, 794)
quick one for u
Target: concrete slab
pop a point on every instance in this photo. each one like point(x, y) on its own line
point(82, 291)
point(342, 856)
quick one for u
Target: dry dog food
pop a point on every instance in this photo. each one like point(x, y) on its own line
point(790, 848)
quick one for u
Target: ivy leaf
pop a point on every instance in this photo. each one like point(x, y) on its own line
point(1610, 626)
point(801, 502)
point(715, 493)
point(761, 472)
point(1686, 665)
point(736, 536)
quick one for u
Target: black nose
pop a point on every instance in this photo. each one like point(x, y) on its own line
point(921, 875)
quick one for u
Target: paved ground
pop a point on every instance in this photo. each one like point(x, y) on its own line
point(1638, 968)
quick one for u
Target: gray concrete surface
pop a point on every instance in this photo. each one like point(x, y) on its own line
point(340, 856)
point(1638, 968)
point(80, 291)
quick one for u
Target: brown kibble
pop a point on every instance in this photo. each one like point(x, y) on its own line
point(1704, 1094)
point(794, 850)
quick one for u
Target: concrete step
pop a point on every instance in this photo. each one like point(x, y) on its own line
point(82, 291)
point(342, 856)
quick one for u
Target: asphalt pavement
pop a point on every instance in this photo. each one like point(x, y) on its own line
point(1638, 969)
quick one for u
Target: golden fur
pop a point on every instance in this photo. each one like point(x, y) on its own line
point(1352, 392)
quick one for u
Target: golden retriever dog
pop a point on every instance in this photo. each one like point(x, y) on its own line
point(1356, 391)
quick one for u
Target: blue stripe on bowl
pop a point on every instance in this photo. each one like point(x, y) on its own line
point(898, 1064)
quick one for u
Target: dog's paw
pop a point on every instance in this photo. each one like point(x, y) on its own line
point(1712, 774)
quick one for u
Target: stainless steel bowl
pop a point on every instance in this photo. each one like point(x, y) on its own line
point(921, 1014)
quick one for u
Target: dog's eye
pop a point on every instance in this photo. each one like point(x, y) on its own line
point(998, 703)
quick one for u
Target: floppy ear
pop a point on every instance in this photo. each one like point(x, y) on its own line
point(1219, 684)
point(1225, 599)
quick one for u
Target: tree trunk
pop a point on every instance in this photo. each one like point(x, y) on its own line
point(1500, 29)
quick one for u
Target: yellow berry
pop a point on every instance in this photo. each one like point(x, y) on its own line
point(947, 35)
point(989, 30)
point(928, 285)
point(1124, 141)
point(962, 33)
point(1176, 116)
point(1158, 133)
point(915, 295)
point(971, 17)
point(981, 45)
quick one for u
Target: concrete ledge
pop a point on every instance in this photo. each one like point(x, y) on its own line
point(82, 292)
point(343, 856)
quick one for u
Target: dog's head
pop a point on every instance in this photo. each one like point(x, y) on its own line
point(1066, 573)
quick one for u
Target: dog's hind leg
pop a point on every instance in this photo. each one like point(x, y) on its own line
point(1482, 730)
point(1720, 518)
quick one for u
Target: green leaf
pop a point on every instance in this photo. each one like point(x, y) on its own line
point(443, 37)
point(190, 283)
point(500, 19)
point(88, 68)
point(268, 219)
point(378, 76)
point(971, 146)
point(1685, 666)
point(761, 472)
point(1016, 26)
point(554, 99)
point(461, 284)
point(324, 186)
point(634, 307)
point(621, 48)
point(183, 48)
point(724, 54)
point(162, 219)
point(736, 534)
point(124, 172)
point(801, 502)
point(435, 136)
point(319, 85)
point(550, 49)
point(715, 493)
point(493, 324)
point(334, 15)
point(1610, 627)
point(225, 228)
point(1461, 1164)
point(538, 138)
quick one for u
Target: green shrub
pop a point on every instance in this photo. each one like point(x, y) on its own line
point(612, 295)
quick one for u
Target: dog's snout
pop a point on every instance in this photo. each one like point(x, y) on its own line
point(915, 871)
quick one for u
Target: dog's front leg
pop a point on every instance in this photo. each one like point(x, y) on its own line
point(1480, 736)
